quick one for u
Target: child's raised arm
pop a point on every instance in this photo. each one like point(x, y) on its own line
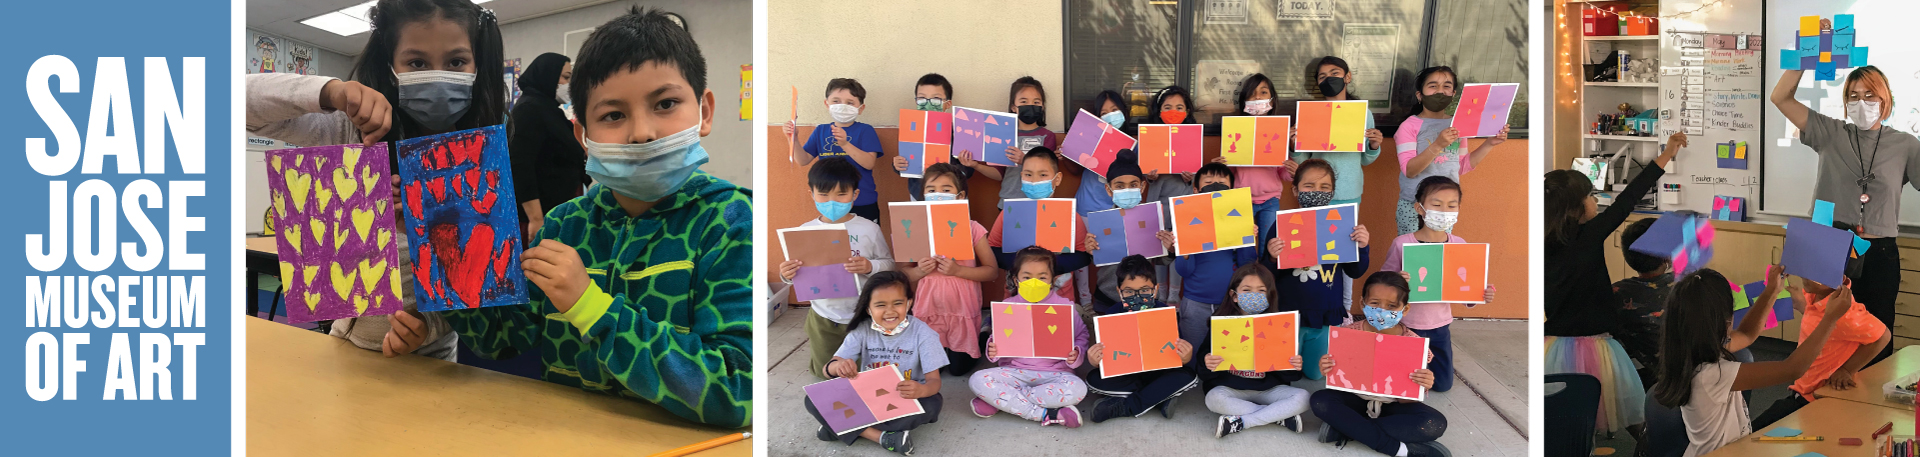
point(1762, 374)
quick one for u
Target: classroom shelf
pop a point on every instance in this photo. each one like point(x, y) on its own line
point(1616, 84)
point(1621, 138)
point(1624, 38)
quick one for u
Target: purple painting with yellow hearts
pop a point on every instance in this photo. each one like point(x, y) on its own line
point(333, 208)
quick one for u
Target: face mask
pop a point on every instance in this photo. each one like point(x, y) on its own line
point(940, 196)
point(1252, 302)
point(563, 93)
point(1442, 220)
point(1032, 114)
point(647, 171)
point(1436, 102)
point(1315, 198)
point(1126, 198)
point(1037, 189)
point(435, 98)
point(1173, 117)
point(875, 325)
point(1114, 119)
point(928, 104)
point(1258, 107)
point(1332, 86)
point(1215, 187)
point(1382, 319)
point(833, 210)
point(1138, 301)
point(1863, 113)
point(1034, 290)
point(843, 113)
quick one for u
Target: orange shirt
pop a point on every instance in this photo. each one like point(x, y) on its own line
point(1856, 328)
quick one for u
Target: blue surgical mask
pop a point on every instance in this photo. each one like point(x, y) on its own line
point(941, 196)
point(647, 171)
point(435, 98)
point(833, 210)
point(1114, 119)
point(1126, 198)
point(1252, 302)
point(1037, 189)
point(1382, 319)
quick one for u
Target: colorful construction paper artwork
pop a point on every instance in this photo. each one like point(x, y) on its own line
point(1172, 148)
point(1093, 143)
point(823, 251)
point(1214, 221)
point(1042, 331)
point(1727, 208)
point(1317, 236)
point(925, 229)
point(1483, 109)
point(984, 135)
point(1325, 126)
point(1139, 341)
point(462, 220)
point(1255, 141)
point(1122, 232)
point(1748, 297)
point(1824, 52)
point(1684, 238)
point(1376, 364)
point(868, 398)
point(336, 231)
point(1048, 222)
point(925, 137)
point(1258, 343)
point(1445, 272)
point(1816, 252)
point(1731, 155)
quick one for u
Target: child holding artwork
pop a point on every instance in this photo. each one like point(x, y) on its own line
point(1027, 100)
point(401, 67)
point(1389, 425)
point(883, 334)
point(1316, 290)
point(1334, 78)
point(1438, 201)
point(1035, 389)
point(950, 289)
point(1856, 338)
point(1256, 98)
point(1245, 398)
point(1093, 194)
point(1040, 170)
point(933, 93)
point(1698, 374)
point(1643, 300)
point(1205, 276)
point(642, 287)
point(835, 186)
point(1128, 188)
point(1135, 394)
point(1421, 155)
point(845, 138)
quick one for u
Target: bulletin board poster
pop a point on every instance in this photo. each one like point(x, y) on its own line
point(1370, 49)
point(158, 377)
point(273, 54)
point(511, 75)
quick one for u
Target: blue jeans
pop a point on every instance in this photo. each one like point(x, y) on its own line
point(1263, 218)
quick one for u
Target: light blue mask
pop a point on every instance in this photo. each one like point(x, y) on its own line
point(435, 98)
point(1126, 198)
point(833, 210)
point(1037, 190)
point(1252, 302)
point(1114, 119)
point(940, 196)
point(1382, 319)
point(647, 171)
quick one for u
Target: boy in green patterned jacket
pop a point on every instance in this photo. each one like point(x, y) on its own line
point(642, 287)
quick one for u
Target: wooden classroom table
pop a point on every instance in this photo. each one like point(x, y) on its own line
point(1828, 418)
point(309, 393)
point(263, 258)
point(1904, 361)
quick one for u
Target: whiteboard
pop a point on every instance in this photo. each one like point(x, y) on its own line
point(1883, 26)
point(1723, 92)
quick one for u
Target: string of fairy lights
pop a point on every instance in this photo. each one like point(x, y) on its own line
point(1571, 37)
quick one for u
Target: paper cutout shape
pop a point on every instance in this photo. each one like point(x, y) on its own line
point(1124, 232)
point(1824, 52)
point(823, 251)
point(1376, 364)
point(1049, 223)
point(1331, 126)
point(1207, 222)
point(1172, 148)
point(924, 140)
point(462, 220)
point(925, 229)
point(1445, 272)
point(1093, 143)
point(1139, 341)
point(984, 135)
point(1683, 237)
point(1823, 212)
point(353, 242)
point(1726, 208)
point(1783, 432)
point(1731, 155)
point(867, 399)
point(1259, 343)
point(1041, 331)
point(1250, 141)
point(1749, 296)
point(1317, 236)
point(1816, 252)
point(1483, 109)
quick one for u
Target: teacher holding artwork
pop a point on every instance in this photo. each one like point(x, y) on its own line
point(1863, 164)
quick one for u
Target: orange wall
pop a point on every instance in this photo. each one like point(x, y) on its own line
point(1495, 209)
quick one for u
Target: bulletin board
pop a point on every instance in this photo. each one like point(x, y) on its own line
point(1711, 63)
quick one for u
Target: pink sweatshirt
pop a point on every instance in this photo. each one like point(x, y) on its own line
point(1080, 338)
point(1266, 182)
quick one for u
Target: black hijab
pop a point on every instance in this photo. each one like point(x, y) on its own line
point(543, 75)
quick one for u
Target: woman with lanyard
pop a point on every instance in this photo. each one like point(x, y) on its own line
point(1862, 166)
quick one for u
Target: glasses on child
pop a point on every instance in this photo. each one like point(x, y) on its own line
point(925, 100)
point(1143, 290)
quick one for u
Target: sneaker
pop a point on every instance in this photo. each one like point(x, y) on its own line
point(1427, 449)
point(982, 409)
point(1068, 416)
point(1294, 423)
point(826, 434)
point(1108, 408)
point(1166, 407)
point(1228, 425)
point(1329, 435)
point(897, 442)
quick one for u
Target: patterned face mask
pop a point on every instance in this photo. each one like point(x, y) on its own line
point(1381, 318)
point(1138, 301)
point(1252, 302)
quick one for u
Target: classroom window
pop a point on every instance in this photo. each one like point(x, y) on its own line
point(1123, 46)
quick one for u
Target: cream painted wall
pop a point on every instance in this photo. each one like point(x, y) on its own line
point(888, 44)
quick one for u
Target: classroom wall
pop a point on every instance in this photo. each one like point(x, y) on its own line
point(1493, 211)
point(887, 45)
point(724, 30)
